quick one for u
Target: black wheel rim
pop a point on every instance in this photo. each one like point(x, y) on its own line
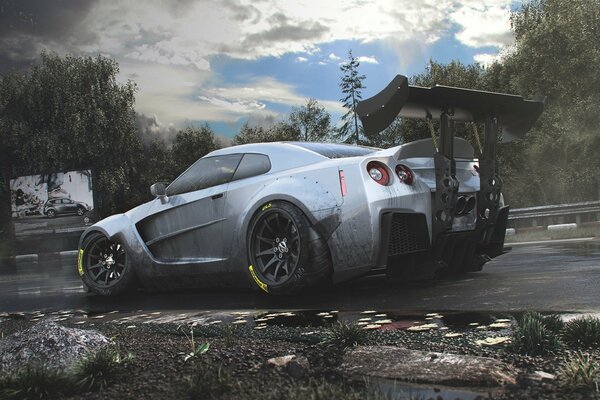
point(275, 247)
point(105, 262)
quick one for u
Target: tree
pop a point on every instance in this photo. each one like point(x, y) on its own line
point(280, 132)
point(351, 85)
point(312, 121)
point(190, 144)
point(557, 55)
point(391, 136)
point(70, 113)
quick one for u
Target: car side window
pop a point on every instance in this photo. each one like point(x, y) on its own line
point(204, 173)
point(252, 165)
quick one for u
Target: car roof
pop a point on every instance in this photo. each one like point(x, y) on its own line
point(287, 155)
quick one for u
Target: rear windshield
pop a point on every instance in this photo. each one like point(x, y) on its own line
point(332, 150)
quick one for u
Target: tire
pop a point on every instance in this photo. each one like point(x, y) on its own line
point(104, 266)
point(51, 213)
point(286, 255)
point(80, 211)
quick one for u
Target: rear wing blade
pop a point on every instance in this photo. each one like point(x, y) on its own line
point(514, 114)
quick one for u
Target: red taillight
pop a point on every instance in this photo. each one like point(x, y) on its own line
point(378, 173)
point(343, 183)
point(476, 168)
point(405, 174)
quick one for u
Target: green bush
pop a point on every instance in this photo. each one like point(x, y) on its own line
point(533, 337)
point(582, 332)
point(346, 334)
point(582, 371)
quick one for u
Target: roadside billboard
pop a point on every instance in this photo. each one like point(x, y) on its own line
point(52, 203)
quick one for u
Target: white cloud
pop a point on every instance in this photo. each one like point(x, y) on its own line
point(482, 25)
point(169, 45)
point(236, 106)
point(486, 59)
point(258, 91)
point(368, 60)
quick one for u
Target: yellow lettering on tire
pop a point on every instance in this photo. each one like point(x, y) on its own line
point(260, 284)
point(266, 206)
point(80, 262)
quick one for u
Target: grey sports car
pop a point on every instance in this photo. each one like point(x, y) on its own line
point(284, 217)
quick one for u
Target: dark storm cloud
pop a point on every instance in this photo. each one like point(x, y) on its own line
point(27, 26)
point(242, 12)
point(42, 18)
point(150, 129)
point(283, 31)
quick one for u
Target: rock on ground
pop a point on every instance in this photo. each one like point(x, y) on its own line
point(426, 367)
point(49, 343)
point(296, 366)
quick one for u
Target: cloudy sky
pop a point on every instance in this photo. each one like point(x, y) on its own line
point(229, 61)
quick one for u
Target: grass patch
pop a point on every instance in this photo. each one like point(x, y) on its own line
point(39, 381)
point(36, 381)
point(209, 383)
point(533, 337)
point(583, 332)
point(346, 334)
point(580, 372)
point(99, 369)
point(533, 236)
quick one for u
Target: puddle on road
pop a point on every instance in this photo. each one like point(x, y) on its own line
point(590, 248)
point(393, 390)
point(388, 320)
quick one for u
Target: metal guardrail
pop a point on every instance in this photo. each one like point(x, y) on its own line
point(558, 213)
point(555, 210)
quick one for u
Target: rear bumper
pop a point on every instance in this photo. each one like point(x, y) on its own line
point(408, 254)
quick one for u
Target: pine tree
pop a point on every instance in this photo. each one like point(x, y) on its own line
point(351, 86)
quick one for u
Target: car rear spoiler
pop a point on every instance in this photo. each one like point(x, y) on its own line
point(513, 114)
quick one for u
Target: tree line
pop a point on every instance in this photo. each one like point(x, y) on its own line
point(69, 113)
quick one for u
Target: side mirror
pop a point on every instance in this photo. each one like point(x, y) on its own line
point(159, 190)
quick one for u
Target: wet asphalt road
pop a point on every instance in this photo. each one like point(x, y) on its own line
point(553, 276)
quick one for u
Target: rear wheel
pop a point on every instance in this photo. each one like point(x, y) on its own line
point(80, 211)
point(286, 255)
point(104, 266)
point(51, 213)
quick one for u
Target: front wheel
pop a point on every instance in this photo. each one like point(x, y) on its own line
point(80, 211)
point(104, 266)
point(285, 253)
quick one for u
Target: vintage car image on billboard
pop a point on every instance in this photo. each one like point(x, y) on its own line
point(52, 203)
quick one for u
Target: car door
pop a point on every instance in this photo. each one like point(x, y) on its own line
point(70, 206)
point(188, 227)
point(62, 206)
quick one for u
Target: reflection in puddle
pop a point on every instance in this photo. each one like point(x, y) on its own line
point(403, 391)
point(388, 321)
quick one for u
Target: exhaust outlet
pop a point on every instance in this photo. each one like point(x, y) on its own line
point(461, 204)
point(470, 204)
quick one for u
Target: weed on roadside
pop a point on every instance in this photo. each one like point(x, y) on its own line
point(582, 332)
point(195, 350)
point(582, 371)
point(99, 369)
point(35, 381)
point(208, 383)
point(533, 337)
point(346, 334)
